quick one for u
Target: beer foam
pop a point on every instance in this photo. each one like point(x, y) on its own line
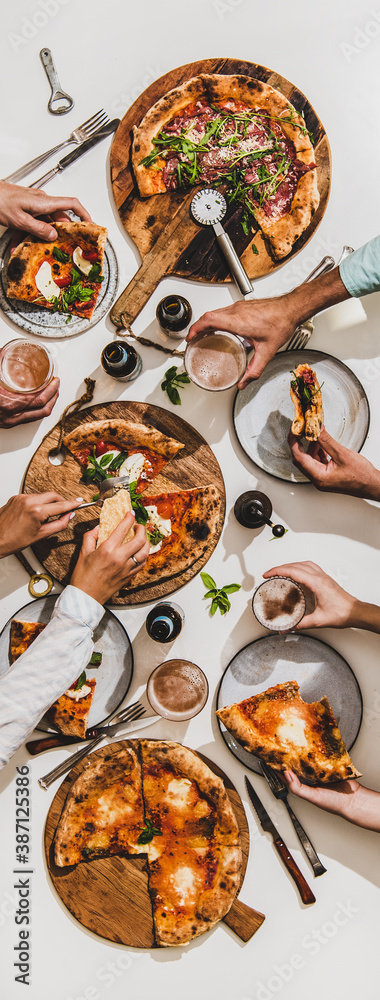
point(177, 690)
point(279, 604)
point(215, 360)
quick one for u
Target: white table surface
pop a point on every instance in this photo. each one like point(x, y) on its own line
point(107, 52)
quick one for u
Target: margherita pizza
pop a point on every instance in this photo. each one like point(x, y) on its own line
point(290, 734)
point(70, 712)
point(305, 393)
point(240, 133)
point(161, 800)
point(64, 275)
point(121, 447)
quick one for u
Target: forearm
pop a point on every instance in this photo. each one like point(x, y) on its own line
point(363, 615)
point(50, 665)
point(365, 809)
point(313, 296)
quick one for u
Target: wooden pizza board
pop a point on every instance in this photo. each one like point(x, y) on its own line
point(110, 896)
point(169, 241)
point(195, 465)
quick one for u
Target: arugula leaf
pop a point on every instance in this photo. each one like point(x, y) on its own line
point(60, 255)
point(141, 513)
point(304, 392)
point(148, 832)
point(171, 381)
point(219, 597)
point(81, 681)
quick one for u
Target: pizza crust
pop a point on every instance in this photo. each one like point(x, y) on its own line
point(113, 511)
point(125, 433)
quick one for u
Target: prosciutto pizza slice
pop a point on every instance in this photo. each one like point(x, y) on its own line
point(289, 734)
point(305, 393)
point(64, 276)
point(236, 132)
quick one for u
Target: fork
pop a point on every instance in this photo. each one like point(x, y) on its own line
point(77, 136)
point(302, 334)
point(134, 711)
point(280, 791)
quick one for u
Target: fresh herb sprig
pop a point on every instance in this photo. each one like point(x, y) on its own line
point(219, 598)
point(60, 255)
point(101, 468)
point(305, 392)
point(141, 513)
point(148, 832)
point(170, 383)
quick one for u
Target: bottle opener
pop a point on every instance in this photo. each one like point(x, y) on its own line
point(57, 94)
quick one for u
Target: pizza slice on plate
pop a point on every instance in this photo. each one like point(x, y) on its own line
point(290, 734)
point(305, 393)
point(65, 275)
point(236, 132)
point(121, 447)
point(70, 712)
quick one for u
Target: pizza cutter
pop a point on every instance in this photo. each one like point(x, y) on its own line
point(208, 207)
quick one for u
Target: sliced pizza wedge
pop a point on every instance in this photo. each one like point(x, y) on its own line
point(103, 813)
point(289, 734)
point(64, 275)
point(305, 393)
point(71, 711)
point(120, 447)
point(22, 635)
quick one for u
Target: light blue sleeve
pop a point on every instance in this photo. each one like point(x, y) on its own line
point(47, 669)
point(360, 271)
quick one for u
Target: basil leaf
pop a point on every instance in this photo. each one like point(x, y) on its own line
point(208, 580)
point(94, 274)
point(60, 255)
point(155, 536)
point(81, 681)
point(214, 607)
point(232, 588)
point(148, 832)
point(96, 660)
point(254, 248)
point(173, 394)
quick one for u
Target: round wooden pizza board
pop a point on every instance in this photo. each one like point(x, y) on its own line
point(195, 465)
point(169, 241)
point(110, 896)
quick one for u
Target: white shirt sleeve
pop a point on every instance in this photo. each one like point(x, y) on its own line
point(47, 669)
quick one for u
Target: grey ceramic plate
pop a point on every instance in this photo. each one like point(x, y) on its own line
point(45, 323)
point(263, 411)
point(113, 676)
point(318, 669)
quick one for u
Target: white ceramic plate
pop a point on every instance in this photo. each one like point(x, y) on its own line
point(263, 411)
point(43, 322)
point(113, 676)
point(318, 669)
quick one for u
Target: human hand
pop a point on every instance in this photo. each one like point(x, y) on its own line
point(266, 323)
point(333, 605)
point(19, 207)
point(345, 472)
point(16, 409)
point(102, 571)
point(22, 519)
point(348, 799)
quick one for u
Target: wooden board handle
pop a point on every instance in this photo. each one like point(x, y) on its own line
point(49, 743)
point(243, 920)
point(136, 294)
point(304, 890)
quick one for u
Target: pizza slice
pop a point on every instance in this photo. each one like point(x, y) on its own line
point(103, 813)
point(192, 838)
point(113, 511)
point(305, 393)
point(236, 132)
point(290, 734)
point(70, 712)
point(121, 447)
point(65, 275)
point(178, 527)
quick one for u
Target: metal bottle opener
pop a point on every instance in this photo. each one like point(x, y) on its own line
point(57, 94)
point(208, 207)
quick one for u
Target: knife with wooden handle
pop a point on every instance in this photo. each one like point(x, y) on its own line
point(304, 890)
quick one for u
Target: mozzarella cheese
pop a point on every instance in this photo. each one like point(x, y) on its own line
point(183, 883)
point(80, 693)
point(178, 792)
point(133, 467)
point(163, 524)
point(80, 262)
point(45, 282)
point(294, 731)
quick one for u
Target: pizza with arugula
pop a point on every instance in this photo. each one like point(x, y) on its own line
point(239, 134)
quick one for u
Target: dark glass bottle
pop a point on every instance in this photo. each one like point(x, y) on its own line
point(121, 360)
point(174, 315)
point(164, 622)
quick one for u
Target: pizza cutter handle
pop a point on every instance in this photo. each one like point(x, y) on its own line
point(49, 743)
point(234, 264)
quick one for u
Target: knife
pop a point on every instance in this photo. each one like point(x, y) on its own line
point(305, 892)
point(50, 742)
point(101, 133)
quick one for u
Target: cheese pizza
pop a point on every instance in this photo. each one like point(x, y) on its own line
point(289, 734)
point(236, 132)
point(158, 799)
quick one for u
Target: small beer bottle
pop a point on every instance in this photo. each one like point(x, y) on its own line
point(174, 315)
point(121, 361)
point(164, 622)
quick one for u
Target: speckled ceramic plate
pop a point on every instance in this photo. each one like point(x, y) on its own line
point(45, 323)
point(318, 669)
point(263, 411)
point(113, 676)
